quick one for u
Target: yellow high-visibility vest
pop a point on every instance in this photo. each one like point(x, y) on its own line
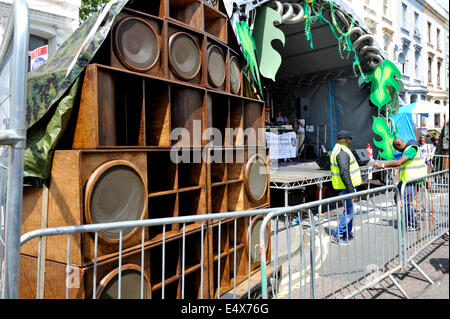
point(414, 167)
point(355, 172)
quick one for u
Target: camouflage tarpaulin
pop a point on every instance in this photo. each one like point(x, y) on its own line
point(48, 88)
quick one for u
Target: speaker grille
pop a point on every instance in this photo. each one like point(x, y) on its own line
point(235, 76)
point(184, 56)
point(216, 66)
point(256, 177)
point(115, 192)
point(136, 44)
point(130, 284)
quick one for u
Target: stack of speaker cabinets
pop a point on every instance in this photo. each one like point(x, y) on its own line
point(165, 65)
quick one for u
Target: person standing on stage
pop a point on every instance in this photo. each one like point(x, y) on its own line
point(345, 176)
point(299, 126)
point(412, 165)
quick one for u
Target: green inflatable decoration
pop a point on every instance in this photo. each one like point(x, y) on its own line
point(269, 60)
point(382, 77)
point(381, 128)
point(249, 49)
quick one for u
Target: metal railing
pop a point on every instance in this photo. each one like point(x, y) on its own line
point(326, 267)
point(349, 266)
point(13, 67)
point(425, 208)
point(195, 237)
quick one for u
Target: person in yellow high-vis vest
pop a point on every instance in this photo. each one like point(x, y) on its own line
point(345, 176)
point(412, 166)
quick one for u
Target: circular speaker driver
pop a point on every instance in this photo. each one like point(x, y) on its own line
point(184, 56)
point(130, 284)
point(136, 44)
point(235, 75)
point(115, 192)
point(216, 66)
point(256, 177)
point(255, 256)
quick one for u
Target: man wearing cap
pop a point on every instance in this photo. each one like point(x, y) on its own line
point(345, 176)
point(412, 166)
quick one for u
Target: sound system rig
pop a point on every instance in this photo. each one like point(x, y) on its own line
point(164, 65)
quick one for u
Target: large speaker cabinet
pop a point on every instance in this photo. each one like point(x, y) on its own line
point(164, 75)
point(120, 109)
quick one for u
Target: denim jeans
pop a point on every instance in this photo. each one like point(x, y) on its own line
point(410, 192)
point(346, 222)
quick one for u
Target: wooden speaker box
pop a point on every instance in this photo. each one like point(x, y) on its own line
point(188, 12)
point(90, 187)
point(80, 280)
point(235, 74)
point(137, 43)
point(185, 54)
point(216, 65)
point(215, 22)
point(238, 179)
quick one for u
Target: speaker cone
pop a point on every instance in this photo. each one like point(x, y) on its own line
point(130, 284)
point(216, 66)
point(235, 75)
point(255, 256)
point(115, 192)
point(184, 56)
point(255, 177)
point(136, 44)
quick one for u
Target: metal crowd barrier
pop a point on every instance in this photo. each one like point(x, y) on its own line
point(425, 208)
point(222, 221)
point(13, 85)
point(319, 268)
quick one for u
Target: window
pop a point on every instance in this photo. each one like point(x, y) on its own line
point(430, 64)
point(438, 38)
point(387, 42)
point(404, 14)
point(416, 24)
point(416, 64)
point(439, 73)
point(429, 32)
point(413, 98)
point(385, 7)
point(437, 119)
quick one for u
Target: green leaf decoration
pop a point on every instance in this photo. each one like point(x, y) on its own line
point(381, 128)
point(382, 77)
point(264, 32)
point(249, 49)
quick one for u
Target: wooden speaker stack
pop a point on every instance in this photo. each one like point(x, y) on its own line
point(165, 66)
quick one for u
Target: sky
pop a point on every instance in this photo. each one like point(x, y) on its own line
point(443, 3)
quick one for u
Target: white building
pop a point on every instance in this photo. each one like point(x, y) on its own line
point(414, 35)
point(51, 21)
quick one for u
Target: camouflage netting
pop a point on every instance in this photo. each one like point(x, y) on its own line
point(53, 89)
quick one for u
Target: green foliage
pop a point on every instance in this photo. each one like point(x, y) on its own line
point(89, 7)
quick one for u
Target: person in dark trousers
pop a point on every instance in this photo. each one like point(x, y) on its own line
point(345, 176)
point(412, 166)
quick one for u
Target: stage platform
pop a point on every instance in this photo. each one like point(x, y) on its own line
point(298, 175)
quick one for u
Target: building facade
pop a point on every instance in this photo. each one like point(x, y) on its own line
point(414, 35)
point(51, 21)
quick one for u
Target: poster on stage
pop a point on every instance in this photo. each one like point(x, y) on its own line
point(282, 146)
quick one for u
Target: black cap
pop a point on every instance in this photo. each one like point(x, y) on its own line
point(343, 134)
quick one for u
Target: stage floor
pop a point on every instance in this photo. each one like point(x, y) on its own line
point(292, 172)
